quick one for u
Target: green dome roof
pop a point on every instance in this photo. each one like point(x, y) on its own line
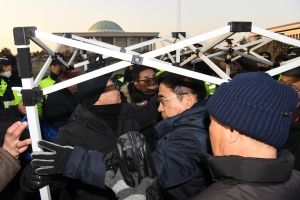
point(105, 25)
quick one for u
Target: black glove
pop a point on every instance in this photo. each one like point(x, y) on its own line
point(30, 179)
point(51, 162)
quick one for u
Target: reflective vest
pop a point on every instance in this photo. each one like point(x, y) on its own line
point(210, 88)
point(280, 78)
point(46, 82)
point(17, 96)
point(121, 79)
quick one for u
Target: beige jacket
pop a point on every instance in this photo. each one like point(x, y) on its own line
point(9, 166)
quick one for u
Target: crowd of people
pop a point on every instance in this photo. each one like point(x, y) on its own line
point(239, 140)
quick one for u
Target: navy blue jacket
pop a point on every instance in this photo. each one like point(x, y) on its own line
point(88, 166)
point(176, 161)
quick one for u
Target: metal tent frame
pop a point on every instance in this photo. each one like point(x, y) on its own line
point(31, 94)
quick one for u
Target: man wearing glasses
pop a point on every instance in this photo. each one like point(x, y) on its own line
point(181, 133)
point(143, 87)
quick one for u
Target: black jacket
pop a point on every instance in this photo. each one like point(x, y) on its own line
point(133, 95)
point(293, 143)
point(139, 117)
point(59, 106)
point(85, 129)
point(88, 131)
point(252, 178)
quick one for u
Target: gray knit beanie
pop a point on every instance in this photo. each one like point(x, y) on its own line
point(256, 105)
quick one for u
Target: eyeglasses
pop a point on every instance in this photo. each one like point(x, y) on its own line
point(167, 99)
point(148, 80)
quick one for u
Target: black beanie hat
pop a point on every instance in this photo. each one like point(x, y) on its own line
point(90, 90)
point(55, 61)
point(8, 59)
point(257, 105)
point(266, 55)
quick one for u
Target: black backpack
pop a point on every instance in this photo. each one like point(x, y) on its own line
point(135, 162)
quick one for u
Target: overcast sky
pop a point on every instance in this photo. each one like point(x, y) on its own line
point(197, 16)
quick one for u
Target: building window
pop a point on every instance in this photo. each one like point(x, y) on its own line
point(134, 40)
point(121, 42)
point(109, 40)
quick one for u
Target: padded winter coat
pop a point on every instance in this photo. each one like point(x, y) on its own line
point(179, 168)
point(9, 166)
point(252, 178)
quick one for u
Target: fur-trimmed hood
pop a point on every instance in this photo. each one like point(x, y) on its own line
point(124, 89)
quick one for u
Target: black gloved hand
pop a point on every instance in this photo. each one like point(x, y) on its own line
point(30, 179)
point(51, 162)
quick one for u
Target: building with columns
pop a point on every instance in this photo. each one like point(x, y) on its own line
point(291, 30)
point(111, 33)
point(275, 48)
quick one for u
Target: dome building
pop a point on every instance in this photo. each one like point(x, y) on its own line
point(112, 33)
point(105, 26)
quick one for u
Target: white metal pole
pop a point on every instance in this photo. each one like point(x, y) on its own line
point(73, 57)
point(45, 67)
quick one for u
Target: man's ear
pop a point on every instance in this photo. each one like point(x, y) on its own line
point(136, 84)
point(233, 135)
point(190, 100)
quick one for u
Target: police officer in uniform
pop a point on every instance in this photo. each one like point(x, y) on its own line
point(55, 71)
point(11, 104)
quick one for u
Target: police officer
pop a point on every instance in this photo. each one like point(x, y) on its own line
point(10, 100)
point(55, 71)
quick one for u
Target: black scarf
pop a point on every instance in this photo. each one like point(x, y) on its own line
point(108, 113)
point(136, 95)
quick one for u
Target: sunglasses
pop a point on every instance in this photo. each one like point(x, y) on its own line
point(149, 80)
